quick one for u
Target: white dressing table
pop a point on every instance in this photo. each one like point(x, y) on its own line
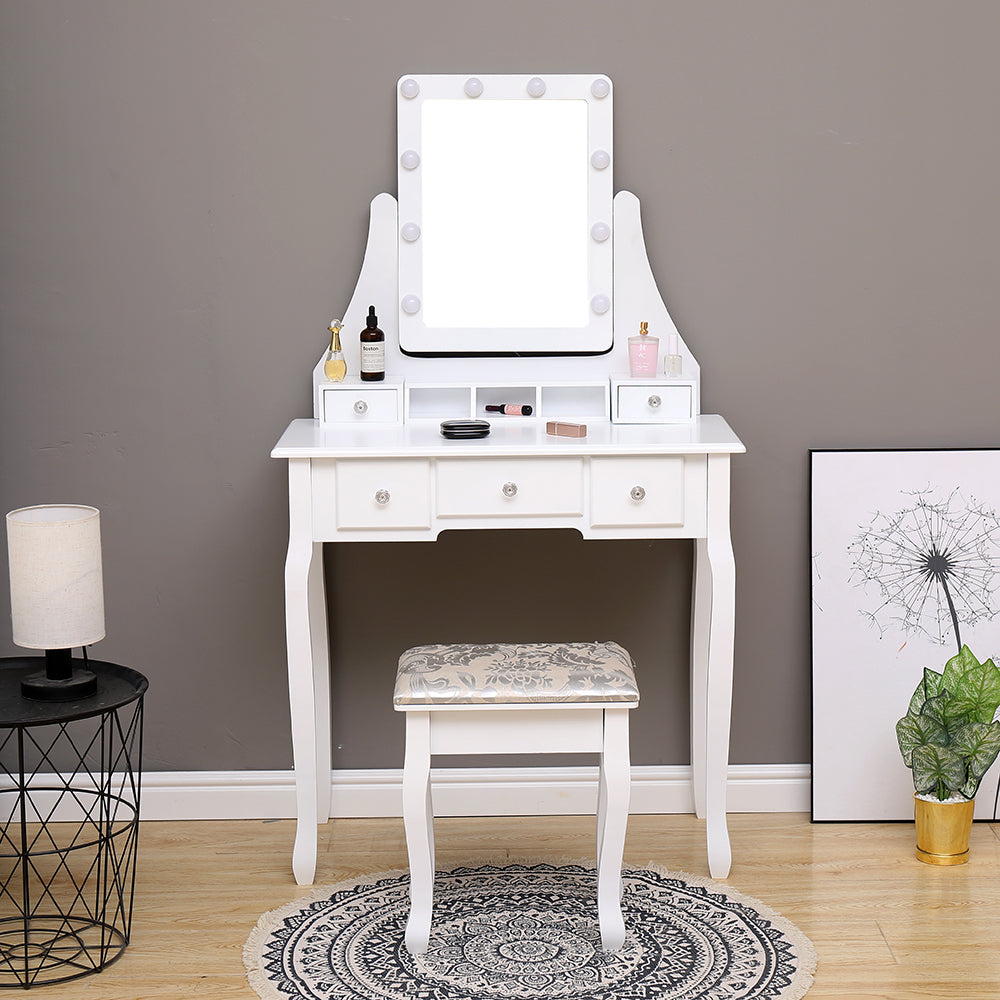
point(336, 479)
point(372, 465)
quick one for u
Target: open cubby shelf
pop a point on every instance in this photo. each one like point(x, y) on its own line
point(548, 400)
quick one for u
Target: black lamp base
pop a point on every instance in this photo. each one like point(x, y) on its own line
point(59, 681)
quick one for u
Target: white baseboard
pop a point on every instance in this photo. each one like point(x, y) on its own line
point(528, 791)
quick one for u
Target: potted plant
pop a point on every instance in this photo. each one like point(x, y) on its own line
point(948, 739)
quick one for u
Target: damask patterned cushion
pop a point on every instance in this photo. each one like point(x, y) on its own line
point(512, 673)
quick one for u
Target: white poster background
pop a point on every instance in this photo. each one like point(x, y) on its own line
point(865, 669)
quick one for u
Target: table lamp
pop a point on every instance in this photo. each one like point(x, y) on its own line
point(56, 593)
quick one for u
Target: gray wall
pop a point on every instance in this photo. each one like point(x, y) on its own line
point(184, 191)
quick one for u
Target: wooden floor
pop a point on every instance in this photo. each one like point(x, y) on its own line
point(885, 926)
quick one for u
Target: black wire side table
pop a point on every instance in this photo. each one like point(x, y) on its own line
point(70, 776)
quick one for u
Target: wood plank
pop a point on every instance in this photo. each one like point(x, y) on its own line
point(885, 926)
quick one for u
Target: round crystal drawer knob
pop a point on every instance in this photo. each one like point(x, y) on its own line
point(637, 493)
point(510, 489)
point(654, 401)
point(382, 497)
point(360, 406)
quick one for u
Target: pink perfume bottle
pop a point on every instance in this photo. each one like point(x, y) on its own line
point(642, 351)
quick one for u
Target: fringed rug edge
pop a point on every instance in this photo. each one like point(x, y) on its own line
point(253, 949)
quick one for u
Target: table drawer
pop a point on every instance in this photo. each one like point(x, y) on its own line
point(509, 487)
point(655, 403)
point(629, 492)
point(361, 404)
point(383, 494)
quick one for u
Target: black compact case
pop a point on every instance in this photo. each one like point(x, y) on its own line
point(461, 429)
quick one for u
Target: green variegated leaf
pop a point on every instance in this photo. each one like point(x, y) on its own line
point(914, 731)
point(978, 744)
point(933, 708)
point(930, 685)
point(939, 770)
point(961, 663)
point(969, 789)
point(974, 686)
point(943, 709)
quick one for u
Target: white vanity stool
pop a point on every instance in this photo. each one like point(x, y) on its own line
point(508, 698)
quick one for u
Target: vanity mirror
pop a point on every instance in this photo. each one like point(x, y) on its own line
point(506, 270)
point(505, 215)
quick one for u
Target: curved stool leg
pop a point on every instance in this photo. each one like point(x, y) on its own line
point(418, 823)
point(616, 781)
point(602, 808)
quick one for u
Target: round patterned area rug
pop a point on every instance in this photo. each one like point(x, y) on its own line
point(529, 931)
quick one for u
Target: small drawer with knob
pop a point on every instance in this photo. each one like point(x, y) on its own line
point(500, 487)
point(629, 492)
point(369, 494)
point(671, 401)
point(361, 403)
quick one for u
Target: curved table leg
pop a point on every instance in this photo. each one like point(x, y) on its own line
point(713, 680)
point(300, 572)
point(701, 623)
point(321, 681)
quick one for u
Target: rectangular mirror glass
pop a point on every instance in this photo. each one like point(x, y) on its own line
point(505, 215)
point(478, 202)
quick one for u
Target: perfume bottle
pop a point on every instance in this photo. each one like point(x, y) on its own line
point(672, 362)
point(372, 349)
point(511, 409)
point(642, 351)
point(335, 367)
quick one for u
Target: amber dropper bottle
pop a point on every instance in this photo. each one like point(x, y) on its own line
point(335, 367)
point(372, 349)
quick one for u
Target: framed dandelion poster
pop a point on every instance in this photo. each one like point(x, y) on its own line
point(905, 571)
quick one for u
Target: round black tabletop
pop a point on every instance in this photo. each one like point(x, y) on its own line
point(116, 686)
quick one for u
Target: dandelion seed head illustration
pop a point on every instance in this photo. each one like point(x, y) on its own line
point(935, 565)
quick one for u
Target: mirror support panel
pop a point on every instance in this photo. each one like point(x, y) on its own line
point(562, 385)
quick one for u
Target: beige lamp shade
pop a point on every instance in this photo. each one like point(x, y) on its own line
point(56, 578)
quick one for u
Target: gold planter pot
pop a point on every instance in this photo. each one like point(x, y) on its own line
point(943, 831)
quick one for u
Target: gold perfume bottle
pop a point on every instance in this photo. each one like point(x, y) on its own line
point(335, 367)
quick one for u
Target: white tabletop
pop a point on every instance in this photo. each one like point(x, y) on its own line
point(706, 435)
